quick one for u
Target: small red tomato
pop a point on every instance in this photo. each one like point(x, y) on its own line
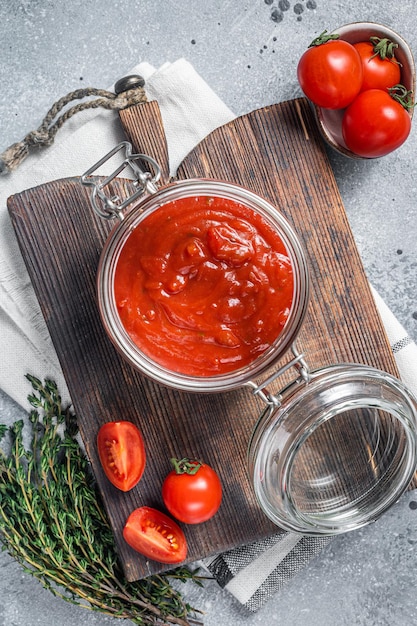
point(330, 72)
point(375, 124)
point(192, 491)
point(122, 453)
point(381, 70)
point(155, 535)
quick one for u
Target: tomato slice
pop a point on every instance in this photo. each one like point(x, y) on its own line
point(155, 535)
point(122, 453)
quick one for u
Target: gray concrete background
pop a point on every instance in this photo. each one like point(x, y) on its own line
point(247, 50)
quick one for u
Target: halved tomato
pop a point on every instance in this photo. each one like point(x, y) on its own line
point(122, 453)
point(155, 535)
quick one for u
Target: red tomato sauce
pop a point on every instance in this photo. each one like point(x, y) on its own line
point(203, 285)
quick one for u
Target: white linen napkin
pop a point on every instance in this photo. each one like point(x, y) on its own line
point(190, 110)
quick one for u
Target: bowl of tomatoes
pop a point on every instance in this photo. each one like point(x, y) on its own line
point(360, 79)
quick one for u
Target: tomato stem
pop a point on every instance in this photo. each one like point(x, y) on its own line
point(402, 95)
point(186, 466)
point(324, 37)
point(384, 48)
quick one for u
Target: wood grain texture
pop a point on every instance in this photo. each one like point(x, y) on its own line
point(277, 153)
point(143, 125)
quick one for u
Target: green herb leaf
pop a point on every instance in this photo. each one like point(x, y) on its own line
point(53, 522)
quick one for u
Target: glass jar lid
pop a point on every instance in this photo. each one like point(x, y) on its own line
point(337, 452)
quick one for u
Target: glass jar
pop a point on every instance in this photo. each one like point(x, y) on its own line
point(337, 452)
point(106, 280)
point(331, 451)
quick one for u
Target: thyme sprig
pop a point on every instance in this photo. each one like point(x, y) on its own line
point(53, 523)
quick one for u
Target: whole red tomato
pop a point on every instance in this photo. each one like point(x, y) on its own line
point(330, 72)
point(192, 491)
point(375, 124)
point(122, 453)
point(155, 535)
point(381, 70)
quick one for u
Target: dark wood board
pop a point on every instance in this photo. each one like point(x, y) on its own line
point(277, 153)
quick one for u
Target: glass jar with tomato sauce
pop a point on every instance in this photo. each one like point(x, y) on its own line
point(203, 287)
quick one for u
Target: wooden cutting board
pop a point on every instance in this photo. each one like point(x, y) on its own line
point(277, 152)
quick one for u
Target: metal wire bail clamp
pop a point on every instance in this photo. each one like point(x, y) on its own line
point(108, 206)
